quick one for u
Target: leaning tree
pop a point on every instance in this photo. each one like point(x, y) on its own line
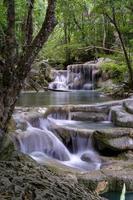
point(16, 64)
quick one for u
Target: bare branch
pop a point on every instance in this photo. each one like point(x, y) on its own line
point(10, 34)
point(97, 47)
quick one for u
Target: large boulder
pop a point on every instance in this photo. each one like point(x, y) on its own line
point(39, 76)
point(120, 117)
point(128, 105)
point(113, 141)
point(28, 114)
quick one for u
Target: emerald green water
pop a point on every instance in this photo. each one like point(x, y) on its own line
point(60, 98)
point(116, 196)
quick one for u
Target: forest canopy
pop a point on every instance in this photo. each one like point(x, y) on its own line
point(84, 29)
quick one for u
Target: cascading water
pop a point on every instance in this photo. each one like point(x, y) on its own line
point(42, 144)
point(77, 77)
point(43, 141)
point(60, 82)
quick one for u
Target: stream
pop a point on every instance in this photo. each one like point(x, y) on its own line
point(40, 141)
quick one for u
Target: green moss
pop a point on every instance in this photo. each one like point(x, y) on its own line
point(116, 70)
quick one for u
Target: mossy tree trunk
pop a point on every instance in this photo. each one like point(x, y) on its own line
point(15, 68)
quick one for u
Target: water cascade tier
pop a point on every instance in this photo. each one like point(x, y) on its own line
point(76, 77)
point(42, 144)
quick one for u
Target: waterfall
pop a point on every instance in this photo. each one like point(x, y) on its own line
point(60, 82)
point(44, 141)
point(42, 144)
point(76, 77)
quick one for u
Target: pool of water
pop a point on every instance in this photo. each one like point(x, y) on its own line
point(60, 98)
point(116, 196)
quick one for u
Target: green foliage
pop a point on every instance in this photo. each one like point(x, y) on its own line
point(3, 24)
point(39, 13)
point(116, 70)
point(81, 24)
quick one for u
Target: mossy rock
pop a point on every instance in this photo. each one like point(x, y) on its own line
point(113, 140)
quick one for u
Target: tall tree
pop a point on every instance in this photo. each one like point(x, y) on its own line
point(15, 68)
point(116, 13)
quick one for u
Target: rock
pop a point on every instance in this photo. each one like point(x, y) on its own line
point(39, 76)
point(113, 141)
point(114, 174)
point(120, 117)
point(118, 173)
point(30, 181)
point(90, 156)
point(128, 105)
point(91, 116)
point(102, 187)
point(105, 83)
point(69, 134)
point(65, 112)
point(32, 115)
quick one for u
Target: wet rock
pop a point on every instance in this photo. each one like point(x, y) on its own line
point(120, 117)
point(118, 173)
point(90, 156)
point(128, 105)
point(32, 115)
point(86, 157)
point(67, 134)
point(111, 141)
point(65, 112)
point(91, 116)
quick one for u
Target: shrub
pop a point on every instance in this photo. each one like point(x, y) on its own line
point(116, 70)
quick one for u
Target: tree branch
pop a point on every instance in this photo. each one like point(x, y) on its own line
point(10, 33)
point(97, 47)
point(29, 24)
point(29, 55)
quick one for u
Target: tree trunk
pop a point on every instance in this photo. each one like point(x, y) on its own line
point(67, 42)
point(127, 59)
point(104, 32)
point(12, 74)
point(29, 24)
